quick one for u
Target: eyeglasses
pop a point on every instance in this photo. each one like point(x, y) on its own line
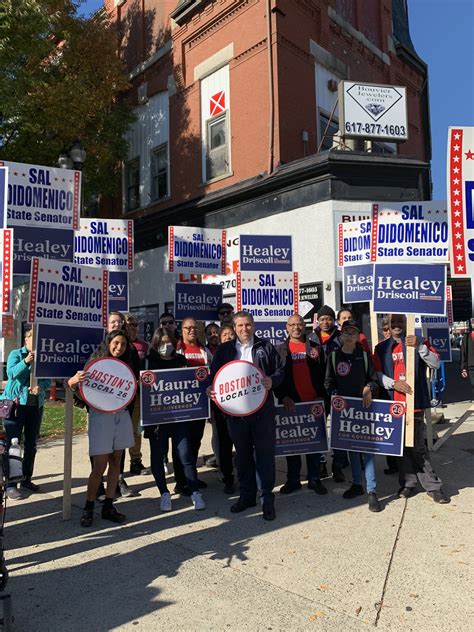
point(189, 328)
point(224, 312)
point(167, 322)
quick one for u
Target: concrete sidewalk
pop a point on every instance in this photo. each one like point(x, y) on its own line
point(325, 563)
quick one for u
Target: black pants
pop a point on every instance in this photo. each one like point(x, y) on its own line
point(196, 432)
point(27, 422)
point(225, 445)
point(415, 463)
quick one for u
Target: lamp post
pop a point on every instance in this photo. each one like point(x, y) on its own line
point(73, 158)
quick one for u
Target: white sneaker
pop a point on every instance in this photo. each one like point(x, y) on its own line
point(198, 501)
point(165, 504)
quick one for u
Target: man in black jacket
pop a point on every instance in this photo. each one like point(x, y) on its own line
point(304, 364)
point(254, 435)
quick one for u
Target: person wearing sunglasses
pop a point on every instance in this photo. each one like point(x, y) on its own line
point(196, 355)
point(225, 313)
point(168, 322)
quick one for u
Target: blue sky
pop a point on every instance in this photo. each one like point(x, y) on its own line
point(441, 31)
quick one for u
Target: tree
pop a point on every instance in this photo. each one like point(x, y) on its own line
point(61, 80)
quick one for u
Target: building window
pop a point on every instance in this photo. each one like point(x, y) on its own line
point(132, 184)
point(159, 172)
point(217, 147)
point(327, 132)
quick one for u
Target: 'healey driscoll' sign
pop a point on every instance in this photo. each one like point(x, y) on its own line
point(268, 296)
point(238, 388)
point(118, 291)
point(110, 385)
point(301, 432)
point(273, 331)
point(408, 289)
point(196, 250)
point(378, 429)
point(265, 253)
point(358, 283)
point(62, 351)
point(173, 395)
point(106, 243)
point(354, 243)
point(410, 233)
point(67, 294)
point(43, 207)
point(197, 300)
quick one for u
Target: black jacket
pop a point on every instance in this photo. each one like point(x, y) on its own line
point(264, 356)
point(154, 362)
point(316, 364)
point(467, 352)
point(332, 343)
point(348, 375)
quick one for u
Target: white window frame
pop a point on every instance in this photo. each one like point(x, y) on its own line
point(209, 123)
point(154, 196)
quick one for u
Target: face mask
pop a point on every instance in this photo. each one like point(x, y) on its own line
point(166, 349)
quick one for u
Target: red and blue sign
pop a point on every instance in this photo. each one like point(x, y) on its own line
point(3, 196)
point(408, 289)
point(274, 331)
point(197, 300)
point(302, 431)
point(262, 253)
point(378, 429)
point(174, 395)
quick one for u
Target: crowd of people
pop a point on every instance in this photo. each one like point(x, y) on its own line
point(335, 358)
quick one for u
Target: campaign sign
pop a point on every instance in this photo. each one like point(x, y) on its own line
point(105, 243)
point(110, 385)
point(196, 250)
point(43, 204)
point(6, 247)
point(40, 242)
point(266, 253)
point(408, 289)
point(197, 300)
point(449, 304)
point(268, 296)
point(358, 283)
point(65, 293)
point(379, 429)
point(173, 395)
point(354, 243)
point(62, 351)
point(440, 338)
point(239, 390)
point(301, 432)
point(3, 196)
point(415, 232)
point(460, 167)
point(272, 331)
point(118, 291)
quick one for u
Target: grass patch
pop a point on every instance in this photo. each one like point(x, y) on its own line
point(52, 425)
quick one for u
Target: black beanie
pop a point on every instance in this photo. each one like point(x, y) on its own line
point(326, 311)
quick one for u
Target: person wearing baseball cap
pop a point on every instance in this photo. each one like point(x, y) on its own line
point(349, 372)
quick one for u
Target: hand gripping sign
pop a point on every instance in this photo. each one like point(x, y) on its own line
point(239, 389)
point(110, 386)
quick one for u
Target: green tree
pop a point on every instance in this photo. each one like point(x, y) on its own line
point(61, 80)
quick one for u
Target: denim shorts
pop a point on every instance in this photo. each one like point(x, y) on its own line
point(109, 432)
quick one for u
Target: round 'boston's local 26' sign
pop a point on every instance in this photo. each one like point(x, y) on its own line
point(110, 385)
point(239, 389)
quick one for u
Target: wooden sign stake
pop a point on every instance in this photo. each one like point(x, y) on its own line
point(68, 428)
point(410, 378)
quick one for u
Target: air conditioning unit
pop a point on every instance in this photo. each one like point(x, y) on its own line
point(143, 93)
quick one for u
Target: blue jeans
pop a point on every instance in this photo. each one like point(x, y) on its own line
point(179, 434)
point(294, 467)
point(356, 467)
point(28, 422)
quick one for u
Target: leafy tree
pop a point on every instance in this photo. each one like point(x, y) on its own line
point(60, 80)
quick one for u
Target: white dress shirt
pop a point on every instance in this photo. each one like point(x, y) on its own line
point(244, 351)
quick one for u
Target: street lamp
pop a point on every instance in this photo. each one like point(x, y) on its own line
point(73, 158)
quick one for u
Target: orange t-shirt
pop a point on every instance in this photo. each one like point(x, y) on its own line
point(324, 336)
point(301, 374)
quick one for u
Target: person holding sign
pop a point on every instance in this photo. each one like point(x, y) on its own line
point(162, 356)
point(109, 433)
point(349, 372)
point(304, 364)
point(27, 411)
point(253, 433)
point(389, 361)
point(467, 356)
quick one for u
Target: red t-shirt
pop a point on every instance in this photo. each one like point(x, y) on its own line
point(301, 374)
point(399, 370)
point(195, 355)
point(141, 346)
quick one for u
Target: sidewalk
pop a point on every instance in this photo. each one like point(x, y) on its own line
point(325, 563)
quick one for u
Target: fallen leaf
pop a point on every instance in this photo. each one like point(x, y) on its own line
point(414, 595)
point(323, 586)
point(455, 551)
point(358, 610)
point(317, 615)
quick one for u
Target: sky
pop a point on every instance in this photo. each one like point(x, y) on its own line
point(441, 31)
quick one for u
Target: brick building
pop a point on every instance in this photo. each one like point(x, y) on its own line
point(237, 119)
